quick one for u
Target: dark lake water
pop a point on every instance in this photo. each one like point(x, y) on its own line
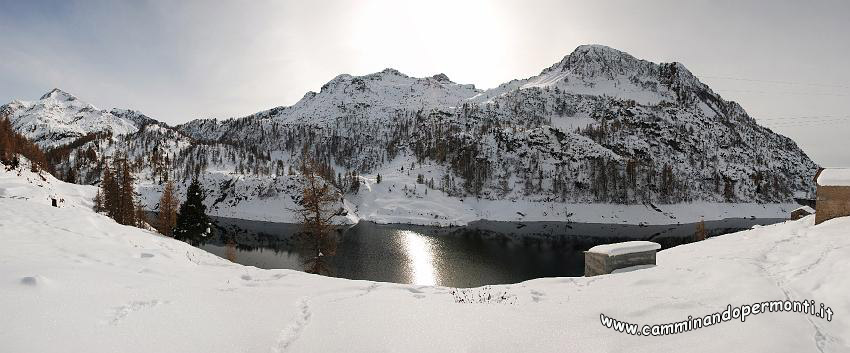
point(482, 253)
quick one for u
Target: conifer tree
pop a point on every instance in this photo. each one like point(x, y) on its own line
point(98, 201)
point(318, 208)
point(109, 193)
point(71, 176)
point(192, 221)
point(701, 233)
point(139, 215)
point(167, 217)
point(7, 140)
point(127, 209)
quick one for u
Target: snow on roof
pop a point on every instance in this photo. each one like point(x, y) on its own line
point(834, 177)
point(805, 208)
point(625, 247)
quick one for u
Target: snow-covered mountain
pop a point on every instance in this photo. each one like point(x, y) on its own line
point(597, 70)
point(59, 118)
point(598, 127)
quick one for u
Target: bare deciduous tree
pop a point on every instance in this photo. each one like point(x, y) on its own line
point(319, 205)
point(168, 204)
point(701, 233)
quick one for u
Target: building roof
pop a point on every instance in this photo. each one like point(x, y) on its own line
point(625, 247)
point(834, 177)
point(805, 208)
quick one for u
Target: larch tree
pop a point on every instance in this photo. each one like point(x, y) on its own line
point(701, 233)
point(127, 202)
point(141, 220)
point(318, 208)
point(167, 217)
point(109, 193)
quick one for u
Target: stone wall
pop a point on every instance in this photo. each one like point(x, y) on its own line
point(797, 214)
point(833, 201)
point(599, 264)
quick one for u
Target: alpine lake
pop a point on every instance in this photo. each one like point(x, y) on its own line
point(481, 253)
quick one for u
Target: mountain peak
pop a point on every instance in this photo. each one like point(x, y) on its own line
point(596, 48)
point(59, 94)
point(391, 71)
point(596, 60)
point(441, 77)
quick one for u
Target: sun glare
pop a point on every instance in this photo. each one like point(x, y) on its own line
point(429, 36)
point(420, 258)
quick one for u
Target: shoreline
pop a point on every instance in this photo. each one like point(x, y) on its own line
point(500, 211)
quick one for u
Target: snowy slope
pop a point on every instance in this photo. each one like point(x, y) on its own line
point(59, 118)
point(72, 280)
point(375, 97)
point(598, 70)
point(400, 199)
point(40, 187)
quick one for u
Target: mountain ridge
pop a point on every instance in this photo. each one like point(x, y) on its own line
point(598, 126)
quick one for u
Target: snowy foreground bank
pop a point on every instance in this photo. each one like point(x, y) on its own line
point(74, 281)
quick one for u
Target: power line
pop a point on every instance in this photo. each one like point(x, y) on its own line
point(789, 121)
point(798, 117)
point(775, 81)
point(784, 92)
point(806, 122)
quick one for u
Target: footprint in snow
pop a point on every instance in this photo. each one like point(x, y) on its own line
point(415, 290)
point(32, 281)
point(537, 296)
point(537, 293)
point(293, 331)
point(122, 311)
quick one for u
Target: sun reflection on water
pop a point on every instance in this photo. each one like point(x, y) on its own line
point(420, 255)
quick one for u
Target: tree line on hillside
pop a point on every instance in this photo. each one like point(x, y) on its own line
point(117, 199)
point(12, 143)
point(116, 196)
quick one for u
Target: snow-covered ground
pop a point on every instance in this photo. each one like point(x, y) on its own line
point(399, 199)
point(42, 188)
point(75, 281)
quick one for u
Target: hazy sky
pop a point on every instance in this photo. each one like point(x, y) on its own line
point(180, 60)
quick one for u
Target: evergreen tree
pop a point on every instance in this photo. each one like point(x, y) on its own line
point(192, 221)
point(127, 204)
point(71, 176)
point(98, 201)
point(109, 193)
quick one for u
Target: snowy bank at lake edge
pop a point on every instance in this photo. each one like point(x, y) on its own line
point(399, 199)
point(73, 280)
